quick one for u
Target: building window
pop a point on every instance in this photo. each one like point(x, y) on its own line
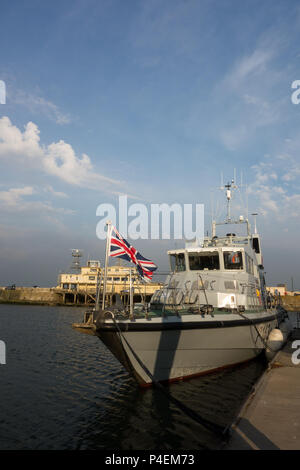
point(65, 286)
point(93, 264)
point(91, 278)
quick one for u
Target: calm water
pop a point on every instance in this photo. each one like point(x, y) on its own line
point(60, 389)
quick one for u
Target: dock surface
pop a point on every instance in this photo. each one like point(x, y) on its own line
point(270, 419)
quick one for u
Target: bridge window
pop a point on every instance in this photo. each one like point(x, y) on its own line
point(206, 260)
point(233, 260)
point(177, 262)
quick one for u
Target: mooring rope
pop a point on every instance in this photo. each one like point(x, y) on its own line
point(265, 343)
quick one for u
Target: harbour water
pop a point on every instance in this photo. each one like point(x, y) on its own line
point(63, 390)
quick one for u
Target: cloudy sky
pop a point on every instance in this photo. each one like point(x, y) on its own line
point(153, 99)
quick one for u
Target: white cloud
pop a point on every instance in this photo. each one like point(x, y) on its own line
point(57, 159)
point(15, 143)
point(248, 66)
point(38, 104)
point(252, 93)
point(292, 173)
point(13, 200)
point(14, 195)
point(272, 193)
point(49, 189)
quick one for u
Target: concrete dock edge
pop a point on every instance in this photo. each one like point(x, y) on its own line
point(270, 417)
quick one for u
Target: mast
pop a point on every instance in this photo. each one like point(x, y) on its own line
point(255, 228)
point(228, 196)
point(229, 187)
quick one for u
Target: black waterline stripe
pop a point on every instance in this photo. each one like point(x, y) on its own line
point(199, 325)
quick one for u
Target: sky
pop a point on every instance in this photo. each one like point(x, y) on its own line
point(151, 99)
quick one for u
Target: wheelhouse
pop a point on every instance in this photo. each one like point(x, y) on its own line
point(226, 259)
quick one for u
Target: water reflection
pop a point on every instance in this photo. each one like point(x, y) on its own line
point(146, 419)
point(64, 390)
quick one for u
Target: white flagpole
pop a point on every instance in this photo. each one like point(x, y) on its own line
point(99, 279)
point(108, 237)
point(130, 294)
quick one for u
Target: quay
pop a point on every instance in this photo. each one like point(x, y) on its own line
point(85, 294)
point(73, 297)
point(270, 418)
point(79, 288)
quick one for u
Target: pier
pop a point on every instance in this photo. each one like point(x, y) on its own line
point(270, 418)
point(80, 286)
point(74, 297)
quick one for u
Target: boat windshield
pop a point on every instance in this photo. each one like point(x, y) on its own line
point(204, 260)
point(233, 260)
point(177, 262)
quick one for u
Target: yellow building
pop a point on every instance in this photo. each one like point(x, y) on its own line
point(118, 280)
point(277, 290)
point(85, 280)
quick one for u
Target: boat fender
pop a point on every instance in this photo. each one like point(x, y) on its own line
point(285, 328)
point(274, 343)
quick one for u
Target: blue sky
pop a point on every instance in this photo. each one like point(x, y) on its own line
point(153, 99)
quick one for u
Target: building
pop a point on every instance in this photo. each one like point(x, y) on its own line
point(280, 289)
point(118, 280)
point(85, 280)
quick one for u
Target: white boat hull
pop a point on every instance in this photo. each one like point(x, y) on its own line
point(174, 353)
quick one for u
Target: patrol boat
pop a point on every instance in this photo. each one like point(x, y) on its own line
point(213, 311)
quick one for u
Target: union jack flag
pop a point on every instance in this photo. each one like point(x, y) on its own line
point(120, 248)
